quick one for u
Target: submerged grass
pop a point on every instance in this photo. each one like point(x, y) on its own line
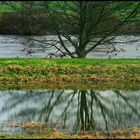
point(69, 73)
point(37, 130)
point(132, 133)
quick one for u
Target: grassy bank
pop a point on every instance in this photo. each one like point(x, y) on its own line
point(69, 73)
point(66, 62)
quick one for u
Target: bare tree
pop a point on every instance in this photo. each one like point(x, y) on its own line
point(82, 26)
point(93, 23)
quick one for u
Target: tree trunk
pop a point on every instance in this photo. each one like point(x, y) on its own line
point(82, 54)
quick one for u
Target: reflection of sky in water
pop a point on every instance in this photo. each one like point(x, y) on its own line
point(13, 46)
point(107, 109)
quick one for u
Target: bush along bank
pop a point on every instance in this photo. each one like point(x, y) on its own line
point(41, 24)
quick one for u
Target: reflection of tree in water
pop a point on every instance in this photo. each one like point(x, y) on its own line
point(76, 109)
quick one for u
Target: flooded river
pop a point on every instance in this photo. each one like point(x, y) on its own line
point(37, 111)
point(68, 110)
point(12, 46)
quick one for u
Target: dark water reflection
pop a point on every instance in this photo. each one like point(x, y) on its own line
point(71, 110)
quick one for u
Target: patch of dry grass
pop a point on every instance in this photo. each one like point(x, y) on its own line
point(70, 76)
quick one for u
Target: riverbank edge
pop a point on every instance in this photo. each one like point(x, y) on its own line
point(132, 133)
point(42, 73)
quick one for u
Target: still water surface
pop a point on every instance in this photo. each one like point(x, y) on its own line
point(12, 46)
point(70, 110)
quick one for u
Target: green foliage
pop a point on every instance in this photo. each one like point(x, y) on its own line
point(8, 8)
